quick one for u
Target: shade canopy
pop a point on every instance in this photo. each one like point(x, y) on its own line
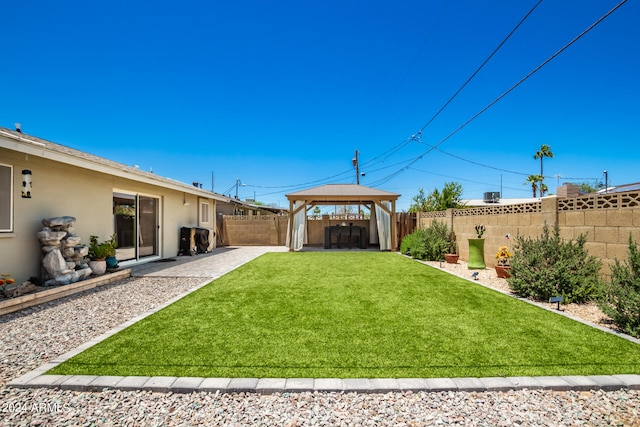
point(383, 209)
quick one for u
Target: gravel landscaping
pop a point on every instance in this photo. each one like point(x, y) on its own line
point(37, 335)
point(589, 312)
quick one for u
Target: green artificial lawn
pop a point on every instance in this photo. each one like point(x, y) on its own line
point(352, 315)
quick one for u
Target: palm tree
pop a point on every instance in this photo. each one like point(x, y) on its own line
point(533, 180)
point(543, 188)
point(545, 151)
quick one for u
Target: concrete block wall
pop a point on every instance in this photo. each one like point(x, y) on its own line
point(254, 230)
point(606, 220)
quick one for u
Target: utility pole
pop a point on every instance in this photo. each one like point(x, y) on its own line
point(606, 182)
point(238, 184)
point(357, 166)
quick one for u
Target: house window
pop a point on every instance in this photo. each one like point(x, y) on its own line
point(205, 213)
point(6, 198)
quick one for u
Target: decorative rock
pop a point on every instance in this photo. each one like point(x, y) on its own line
point(61, 221)
point(54, 264)
point(51, 238)
point(23, 289)
point(8, 290)
point(64, 260)
point(80, 252)
point(84, 273)
point(67, 252)
point(73, 240)
point(63, 279)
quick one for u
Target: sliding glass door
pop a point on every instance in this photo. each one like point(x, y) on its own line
point(136, 225)
point(148, 221)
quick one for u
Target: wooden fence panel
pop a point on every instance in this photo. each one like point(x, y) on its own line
point(406, 224)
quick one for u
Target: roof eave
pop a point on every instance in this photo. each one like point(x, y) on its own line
point(39, 149)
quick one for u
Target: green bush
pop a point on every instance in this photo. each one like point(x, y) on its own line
point(430, 243)
point(412, 243)
point(548, 266)
point(621, 298)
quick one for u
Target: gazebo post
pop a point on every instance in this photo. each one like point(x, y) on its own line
point(394, 226)
point(290, 228)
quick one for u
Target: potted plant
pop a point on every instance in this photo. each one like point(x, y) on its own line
point(502, 267)
point(112, 261)
point(452, 256)
point(476, 249)
point(98, 252)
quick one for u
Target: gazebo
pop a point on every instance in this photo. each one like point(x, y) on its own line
point(382, 205)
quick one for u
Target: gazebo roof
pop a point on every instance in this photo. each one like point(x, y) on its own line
point(342, 193)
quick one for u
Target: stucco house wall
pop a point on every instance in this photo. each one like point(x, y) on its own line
point(86, 193)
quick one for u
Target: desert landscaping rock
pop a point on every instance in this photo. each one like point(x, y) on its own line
point(40, 334)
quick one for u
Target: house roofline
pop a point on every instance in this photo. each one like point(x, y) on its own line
point(27, 144)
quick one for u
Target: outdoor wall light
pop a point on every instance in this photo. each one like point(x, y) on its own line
point(26, 184)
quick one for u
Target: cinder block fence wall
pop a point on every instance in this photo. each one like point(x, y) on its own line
point(254, 230)
point(607, 220)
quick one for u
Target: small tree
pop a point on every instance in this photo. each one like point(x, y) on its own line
point(449, 197)
point(419, 202)
point(586, 188)
point(548, 266)
point(621, 298)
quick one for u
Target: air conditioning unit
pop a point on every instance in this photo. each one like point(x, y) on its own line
point(492, 197)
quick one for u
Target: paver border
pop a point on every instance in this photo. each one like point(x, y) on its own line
point(267, 386)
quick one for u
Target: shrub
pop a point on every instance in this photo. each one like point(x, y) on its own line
point(430, 243)
point(412, 244)
point(102, 250)
point(621, 297)
point(548, 266)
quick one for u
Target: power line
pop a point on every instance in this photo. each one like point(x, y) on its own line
point(415, 59)
point(492, 103)
point(481, 66)
point(417, 136)
point(473, 161)
point(493, 167)
point(301, 184)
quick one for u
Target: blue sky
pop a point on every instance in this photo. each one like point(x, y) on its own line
point(280, 94)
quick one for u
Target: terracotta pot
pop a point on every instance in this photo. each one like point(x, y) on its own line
point(503, 271)
point(451, 258)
